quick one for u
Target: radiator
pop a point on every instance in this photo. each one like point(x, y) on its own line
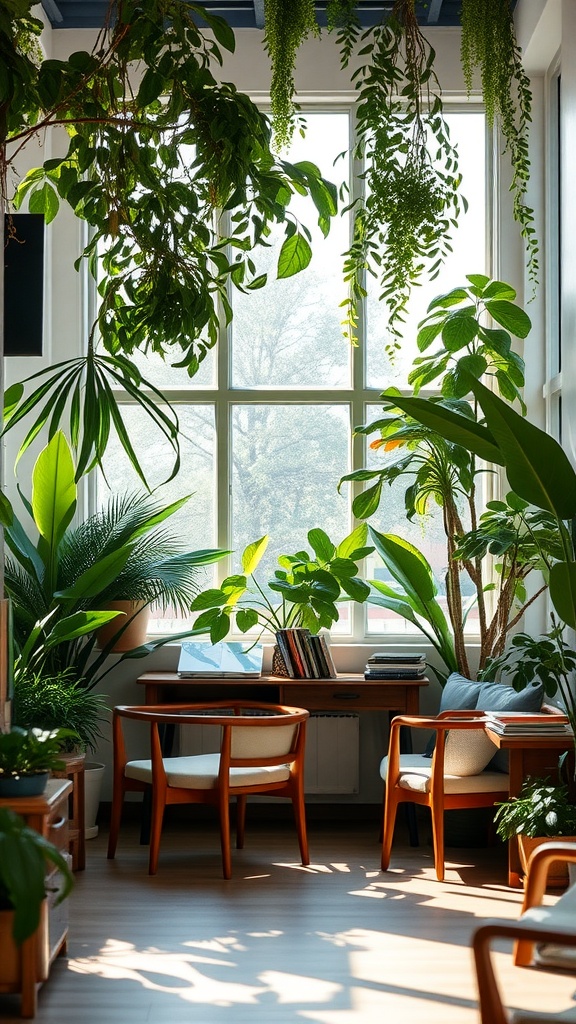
point(332, 750)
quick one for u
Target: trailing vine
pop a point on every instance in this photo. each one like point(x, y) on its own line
point(404, 221)
point(489, 43)
point(287, 24)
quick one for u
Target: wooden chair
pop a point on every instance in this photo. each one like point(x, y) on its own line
point(261, 751)
point(454, 778)
point(554, 925)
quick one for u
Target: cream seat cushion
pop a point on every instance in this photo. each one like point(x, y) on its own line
point(416, 773)
point(200, 771)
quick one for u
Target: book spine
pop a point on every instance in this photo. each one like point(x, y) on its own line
point(332, 674)
point(316, 657)
point(398, 676)
point(295, 654)
point(284, 649)
point(301, 636)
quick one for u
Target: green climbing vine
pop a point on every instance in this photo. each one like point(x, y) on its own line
point(411, 201)
point(288, 23)
point(489, 44)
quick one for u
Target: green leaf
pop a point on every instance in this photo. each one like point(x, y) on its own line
point(321, 544)
point(98, 577)
point(54, 490)
point(220, 628)
point(246, 618)
point(356, 589)
point(253, 553)
point(459, 331)
point(366, 503)
point(44, 200)
point(563, 591)
point(458, 429)
point(353, 543)
point(511, 317)
point(538, 469)
point(208, 599)
point(295, 255)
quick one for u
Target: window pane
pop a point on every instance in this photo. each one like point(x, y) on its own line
point(194, 524)
point(286, 463)
point(164, 376)
point(289, 334)
point(468, 257)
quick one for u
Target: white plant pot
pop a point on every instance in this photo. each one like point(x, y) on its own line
point(93, 778)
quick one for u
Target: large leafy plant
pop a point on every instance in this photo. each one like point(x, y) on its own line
point(540, 809)
point(443, 474)
point(173, 172)
point(304, 590)
point(24, 856)
point(28, 751)
point(61, 583)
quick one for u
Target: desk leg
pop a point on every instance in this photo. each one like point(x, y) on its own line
point(409, 809)
point(167, 733)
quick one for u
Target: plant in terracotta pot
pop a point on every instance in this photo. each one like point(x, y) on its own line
point(61, 583)
point(540, 812)
point(24, 856)
point(27, 756)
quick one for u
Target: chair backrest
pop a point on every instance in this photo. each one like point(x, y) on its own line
point(252, 733)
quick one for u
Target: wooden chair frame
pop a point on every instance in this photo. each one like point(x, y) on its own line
point(436, 799)
point(526, 932)
point(162, 793)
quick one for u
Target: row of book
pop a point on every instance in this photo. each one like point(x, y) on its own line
point(395, 666)
point(305, 655)
point(528, 724)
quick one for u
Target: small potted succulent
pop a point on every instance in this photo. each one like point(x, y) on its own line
point(541, 811)
point(27, 757)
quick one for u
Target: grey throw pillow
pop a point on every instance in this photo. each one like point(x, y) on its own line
point(459, 694)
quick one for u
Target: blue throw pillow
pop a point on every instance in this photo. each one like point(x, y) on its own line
point(500, 697)
point(459, 694)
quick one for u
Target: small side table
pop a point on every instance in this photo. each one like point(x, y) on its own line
point(74, 771)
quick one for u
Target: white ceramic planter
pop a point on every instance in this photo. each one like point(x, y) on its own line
point(93, 778)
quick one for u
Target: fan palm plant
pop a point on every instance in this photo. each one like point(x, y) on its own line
point(61, 585)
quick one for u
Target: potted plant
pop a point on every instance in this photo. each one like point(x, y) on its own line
point(303, 592)
point(50, 702)
point(24, 855)
point(27, 757)
point(540, 812)
point(61, 584)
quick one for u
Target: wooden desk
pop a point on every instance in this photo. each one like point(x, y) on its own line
point(352, 692)
point(529, 755)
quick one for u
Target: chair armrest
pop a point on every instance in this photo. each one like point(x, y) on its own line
point(491, 1008)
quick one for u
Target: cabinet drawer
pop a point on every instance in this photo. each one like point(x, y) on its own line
point(355, 696)
point(58, 827)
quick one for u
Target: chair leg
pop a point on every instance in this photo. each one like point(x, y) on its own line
point(158, 804)
point(438, 840)
point(115, 820)
point(225, 836)
point(389, 813)
point(300, 816)
point(240, 821)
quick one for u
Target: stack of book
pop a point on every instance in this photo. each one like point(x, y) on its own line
point(527, 723)
point(395, 666)
point(305, 655)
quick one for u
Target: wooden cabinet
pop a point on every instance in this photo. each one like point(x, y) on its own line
point(23, 969)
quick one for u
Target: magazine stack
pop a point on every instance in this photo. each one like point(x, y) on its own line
point(395, 666)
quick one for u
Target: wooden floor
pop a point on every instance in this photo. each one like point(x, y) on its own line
point(336, 943)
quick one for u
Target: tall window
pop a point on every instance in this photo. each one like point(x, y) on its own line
point(267, 425)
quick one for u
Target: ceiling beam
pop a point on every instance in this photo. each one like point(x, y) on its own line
point(259, 13)
point(434, 12)
point(52, 11)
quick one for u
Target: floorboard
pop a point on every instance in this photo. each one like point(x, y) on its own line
point(336, 943)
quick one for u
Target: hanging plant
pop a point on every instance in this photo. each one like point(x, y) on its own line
point(489, 44)
point(287, 24)
point(403, 223)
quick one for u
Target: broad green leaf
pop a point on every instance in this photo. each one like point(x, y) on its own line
point(353, 543)
point(54, 490)
point(459, 331)
point(563, 591)
point(79, 624)
point(44, 200)
point(321, 544)
point(220, 628)
point(295, 255)
point(208, 599)
point(366, 503)
point(253, 553)
point(458, 429)
point(95, 580)
point(427, 334)
point(500, 290)
point(357, 589)
point(510, 316)
point(246, 618)
point(538, 469)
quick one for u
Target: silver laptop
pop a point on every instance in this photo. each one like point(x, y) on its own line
point(198, 658)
